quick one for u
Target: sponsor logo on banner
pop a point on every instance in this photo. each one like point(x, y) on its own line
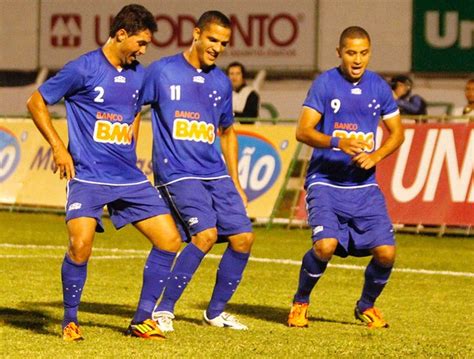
point(65, 30)
point(259, 164)
point(9, 153)
point(254, 30)
point(274, 36)
point(443, 35)
point(431, 177)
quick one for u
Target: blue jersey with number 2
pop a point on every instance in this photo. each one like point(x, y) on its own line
point(101, 104)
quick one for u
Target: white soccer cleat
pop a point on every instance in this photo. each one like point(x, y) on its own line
point(225, 320)
point(164, 320)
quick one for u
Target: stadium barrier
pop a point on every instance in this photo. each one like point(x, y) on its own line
point(428, 183)
point(26, 164)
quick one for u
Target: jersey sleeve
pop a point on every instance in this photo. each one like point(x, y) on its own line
point(150, 89)
point(227, 115)
point(64, 84)
point(389, 106)
point(316, 95)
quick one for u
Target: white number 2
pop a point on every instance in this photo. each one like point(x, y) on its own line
point(175, 92)
point(99, 97)
point(335, 104)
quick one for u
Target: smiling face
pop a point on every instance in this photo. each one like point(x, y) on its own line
point(132, 46)
point(355, 56)
point(209, 43)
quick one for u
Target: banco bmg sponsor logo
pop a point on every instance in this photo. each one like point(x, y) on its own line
point(9, 153)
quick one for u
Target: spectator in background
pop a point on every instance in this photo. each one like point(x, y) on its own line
point(469, 92)
point(245, 100)
point(408, 104)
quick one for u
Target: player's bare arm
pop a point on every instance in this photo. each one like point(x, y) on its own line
point(306, 132)
point(42, 120)
point(396, 137)
point(136, 127)
point(230, 150)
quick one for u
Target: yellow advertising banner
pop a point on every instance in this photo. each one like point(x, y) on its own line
point(26, 163)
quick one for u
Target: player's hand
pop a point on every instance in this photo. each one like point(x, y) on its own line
point(366, 160)
point(242, 195)
point(63, 162)
point(352, 146)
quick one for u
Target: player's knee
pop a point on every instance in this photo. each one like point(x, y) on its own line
point(325, 248)
point(206, 239)
point(242, 242)
point(174, 242)
point(385, 255)
point(79, 250)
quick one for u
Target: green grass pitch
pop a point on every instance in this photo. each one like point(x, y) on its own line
point(430, 312)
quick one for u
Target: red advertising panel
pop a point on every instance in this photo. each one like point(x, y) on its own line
point(429, 180)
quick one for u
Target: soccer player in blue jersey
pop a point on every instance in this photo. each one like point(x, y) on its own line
point(347, 211)
point(101, 92)
point(191, 99)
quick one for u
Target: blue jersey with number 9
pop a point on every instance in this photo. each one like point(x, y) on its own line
point(349, 110)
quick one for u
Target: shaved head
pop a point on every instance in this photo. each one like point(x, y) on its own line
point(353, 32)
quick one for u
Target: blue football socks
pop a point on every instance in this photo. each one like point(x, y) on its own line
point(155, 274)
point(376, 277)
point(73, 277)
point(228, 278)
point(186, 264)
point(311, 270)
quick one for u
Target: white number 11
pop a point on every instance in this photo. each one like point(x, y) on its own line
point(175, 92)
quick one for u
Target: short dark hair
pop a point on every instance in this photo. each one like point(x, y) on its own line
point(401, 79)
point(133, 18)
point(353, 32)
point(213, 17)
point(237, 64)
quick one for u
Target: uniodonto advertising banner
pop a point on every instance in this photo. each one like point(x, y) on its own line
point(429, 180)
point(26, 163)
point(265, 33)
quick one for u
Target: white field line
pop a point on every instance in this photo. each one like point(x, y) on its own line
point(140, 254)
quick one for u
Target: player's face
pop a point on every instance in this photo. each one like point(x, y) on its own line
point(355, 56)
point(470, 92)
point(210, 42)
point(236, 77)
point(134, 46)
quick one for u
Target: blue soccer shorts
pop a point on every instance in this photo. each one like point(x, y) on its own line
point(356, 217)
point(204, 204)
point(126, 204)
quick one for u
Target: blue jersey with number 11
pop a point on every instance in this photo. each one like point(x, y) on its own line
point(101, 104)
point(189, 106)
point(349, 110)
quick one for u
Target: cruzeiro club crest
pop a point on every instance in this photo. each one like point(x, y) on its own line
point(9, 153)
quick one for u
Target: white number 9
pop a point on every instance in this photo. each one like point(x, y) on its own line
point(335, 105)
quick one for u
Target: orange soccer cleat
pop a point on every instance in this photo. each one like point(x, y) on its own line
point(72, 333)
point(298, 316)
point(148, 329)
point(372, 317)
